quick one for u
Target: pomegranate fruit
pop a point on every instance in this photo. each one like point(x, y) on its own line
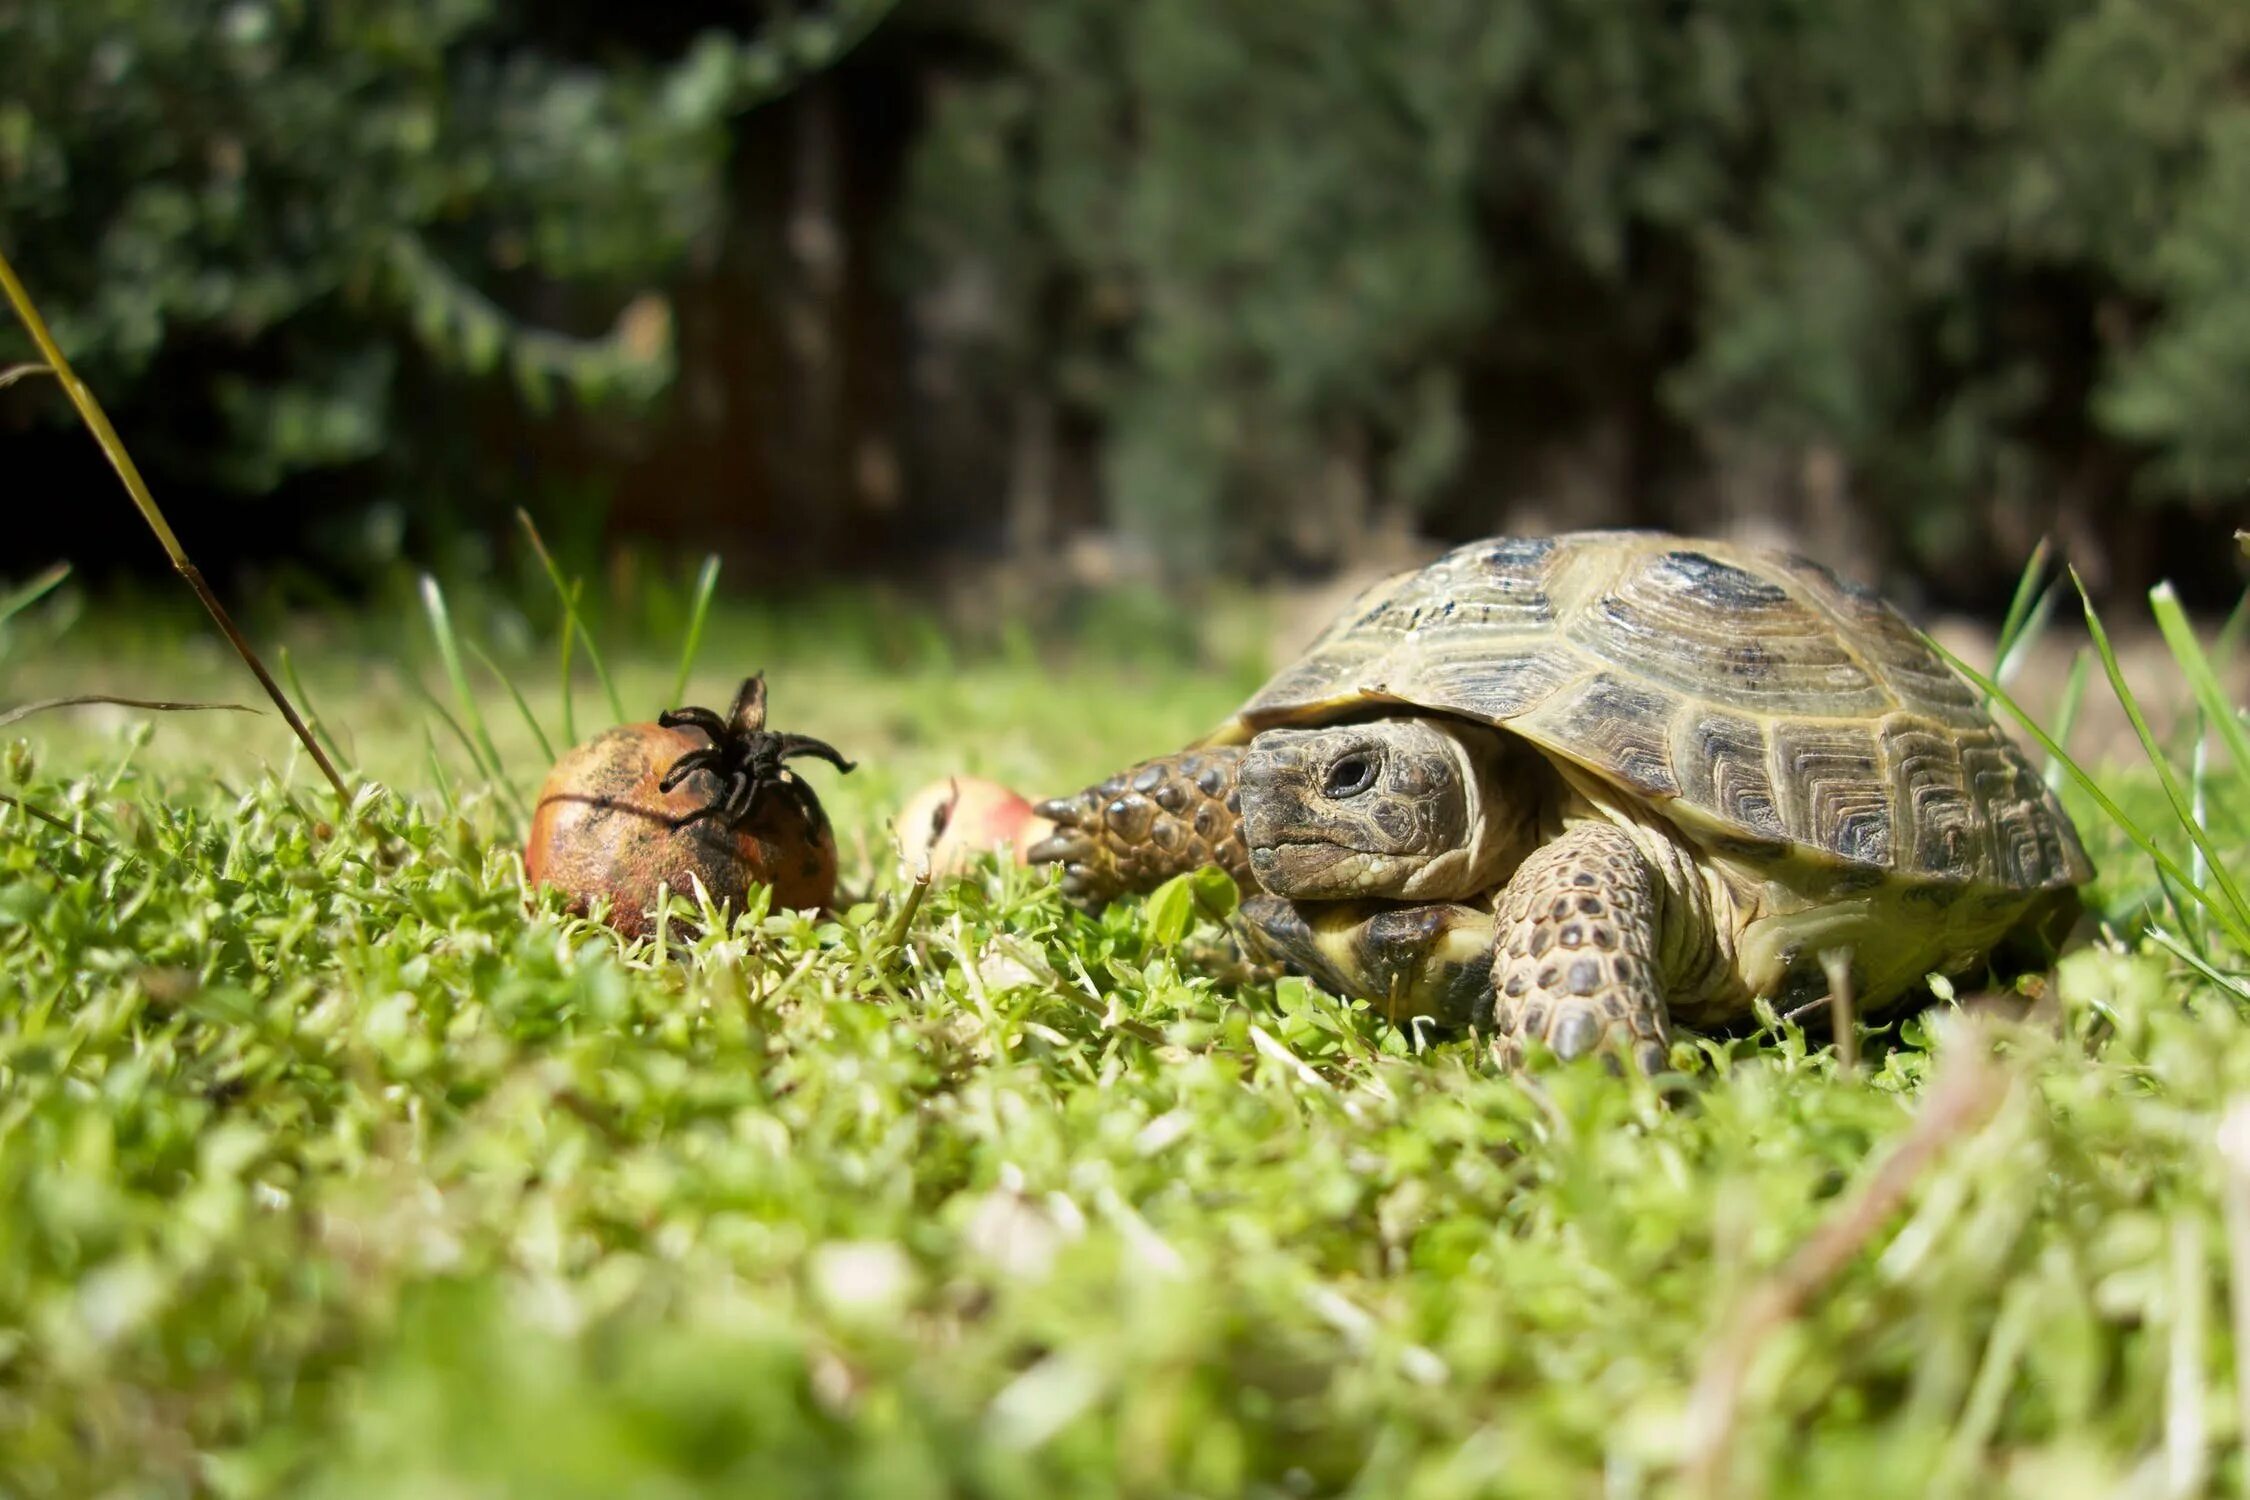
point(693, 796)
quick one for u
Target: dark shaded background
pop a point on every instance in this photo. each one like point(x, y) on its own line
point(1090, 289)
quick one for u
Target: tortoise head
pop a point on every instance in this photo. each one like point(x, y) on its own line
point(1401, 807)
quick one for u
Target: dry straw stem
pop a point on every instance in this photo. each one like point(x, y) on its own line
point(1842, 1013)
point(49, 819)
point(113, 448)
point(81, 700)
point(1968, 1090)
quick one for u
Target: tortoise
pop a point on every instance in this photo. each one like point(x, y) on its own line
point(1573, 790)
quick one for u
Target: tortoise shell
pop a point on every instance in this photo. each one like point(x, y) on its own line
point(1751, 697)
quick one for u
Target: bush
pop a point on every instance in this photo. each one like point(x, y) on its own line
point(1982, 258)
point(313, 213)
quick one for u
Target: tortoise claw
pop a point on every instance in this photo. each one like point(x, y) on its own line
point(1065, 846)
point(1075, 851)
point(1056, 809)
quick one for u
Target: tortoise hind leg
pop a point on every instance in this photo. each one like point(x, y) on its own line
point(1143, 826)
point(1574, 960)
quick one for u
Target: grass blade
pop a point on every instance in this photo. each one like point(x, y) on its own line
point(2233, 985)
point(2192, 917)
point(2231, 631)
point(545, 747)
point(313, 717)
point(2027, 635)
point(437, 771)
point(706, 584)
point(569, 597)
point(2238, 914)
point(2237, 929)
point(17, 600)
point(2026, 598)
point(2210, 697)
point(2066, 711)
point(449, 652)
point(2197, 788)
point(476, 736)
point(569, 641)
point(477, 761)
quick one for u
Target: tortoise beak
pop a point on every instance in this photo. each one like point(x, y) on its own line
point(1275, 814)
point(1275, 809)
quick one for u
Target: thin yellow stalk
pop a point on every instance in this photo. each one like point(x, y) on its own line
point(113, 448)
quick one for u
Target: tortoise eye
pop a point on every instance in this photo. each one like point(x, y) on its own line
point(1348, 777)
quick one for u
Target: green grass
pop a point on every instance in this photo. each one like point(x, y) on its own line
point(328, 1168)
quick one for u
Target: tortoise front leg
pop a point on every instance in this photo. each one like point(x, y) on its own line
point(1143, 826)
point(1574, 960)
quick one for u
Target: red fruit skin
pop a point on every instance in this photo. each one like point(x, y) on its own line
point(601, 828)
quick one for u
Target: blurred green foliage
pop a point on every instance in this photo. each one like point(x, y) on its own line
point(308, 208)
point(1986, 255)
point(1276, 274)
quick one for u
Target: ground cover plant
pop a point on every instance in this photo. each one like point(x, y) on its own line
point(326, 1167)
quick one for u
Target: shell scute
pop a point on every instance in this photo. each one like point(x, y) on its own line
point(1919, 678)
point(1719, 761)
point(2029, 847)
point(1832, 792)
point(1718, 585)
point(1516, 563)
point(1615, 724)
point(1512, 685)
point(1944, 835)
point(1717, 631)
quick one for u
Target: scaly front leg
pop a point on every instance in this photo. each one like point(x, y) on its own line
point(1574, 961)
point(1143, 826)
